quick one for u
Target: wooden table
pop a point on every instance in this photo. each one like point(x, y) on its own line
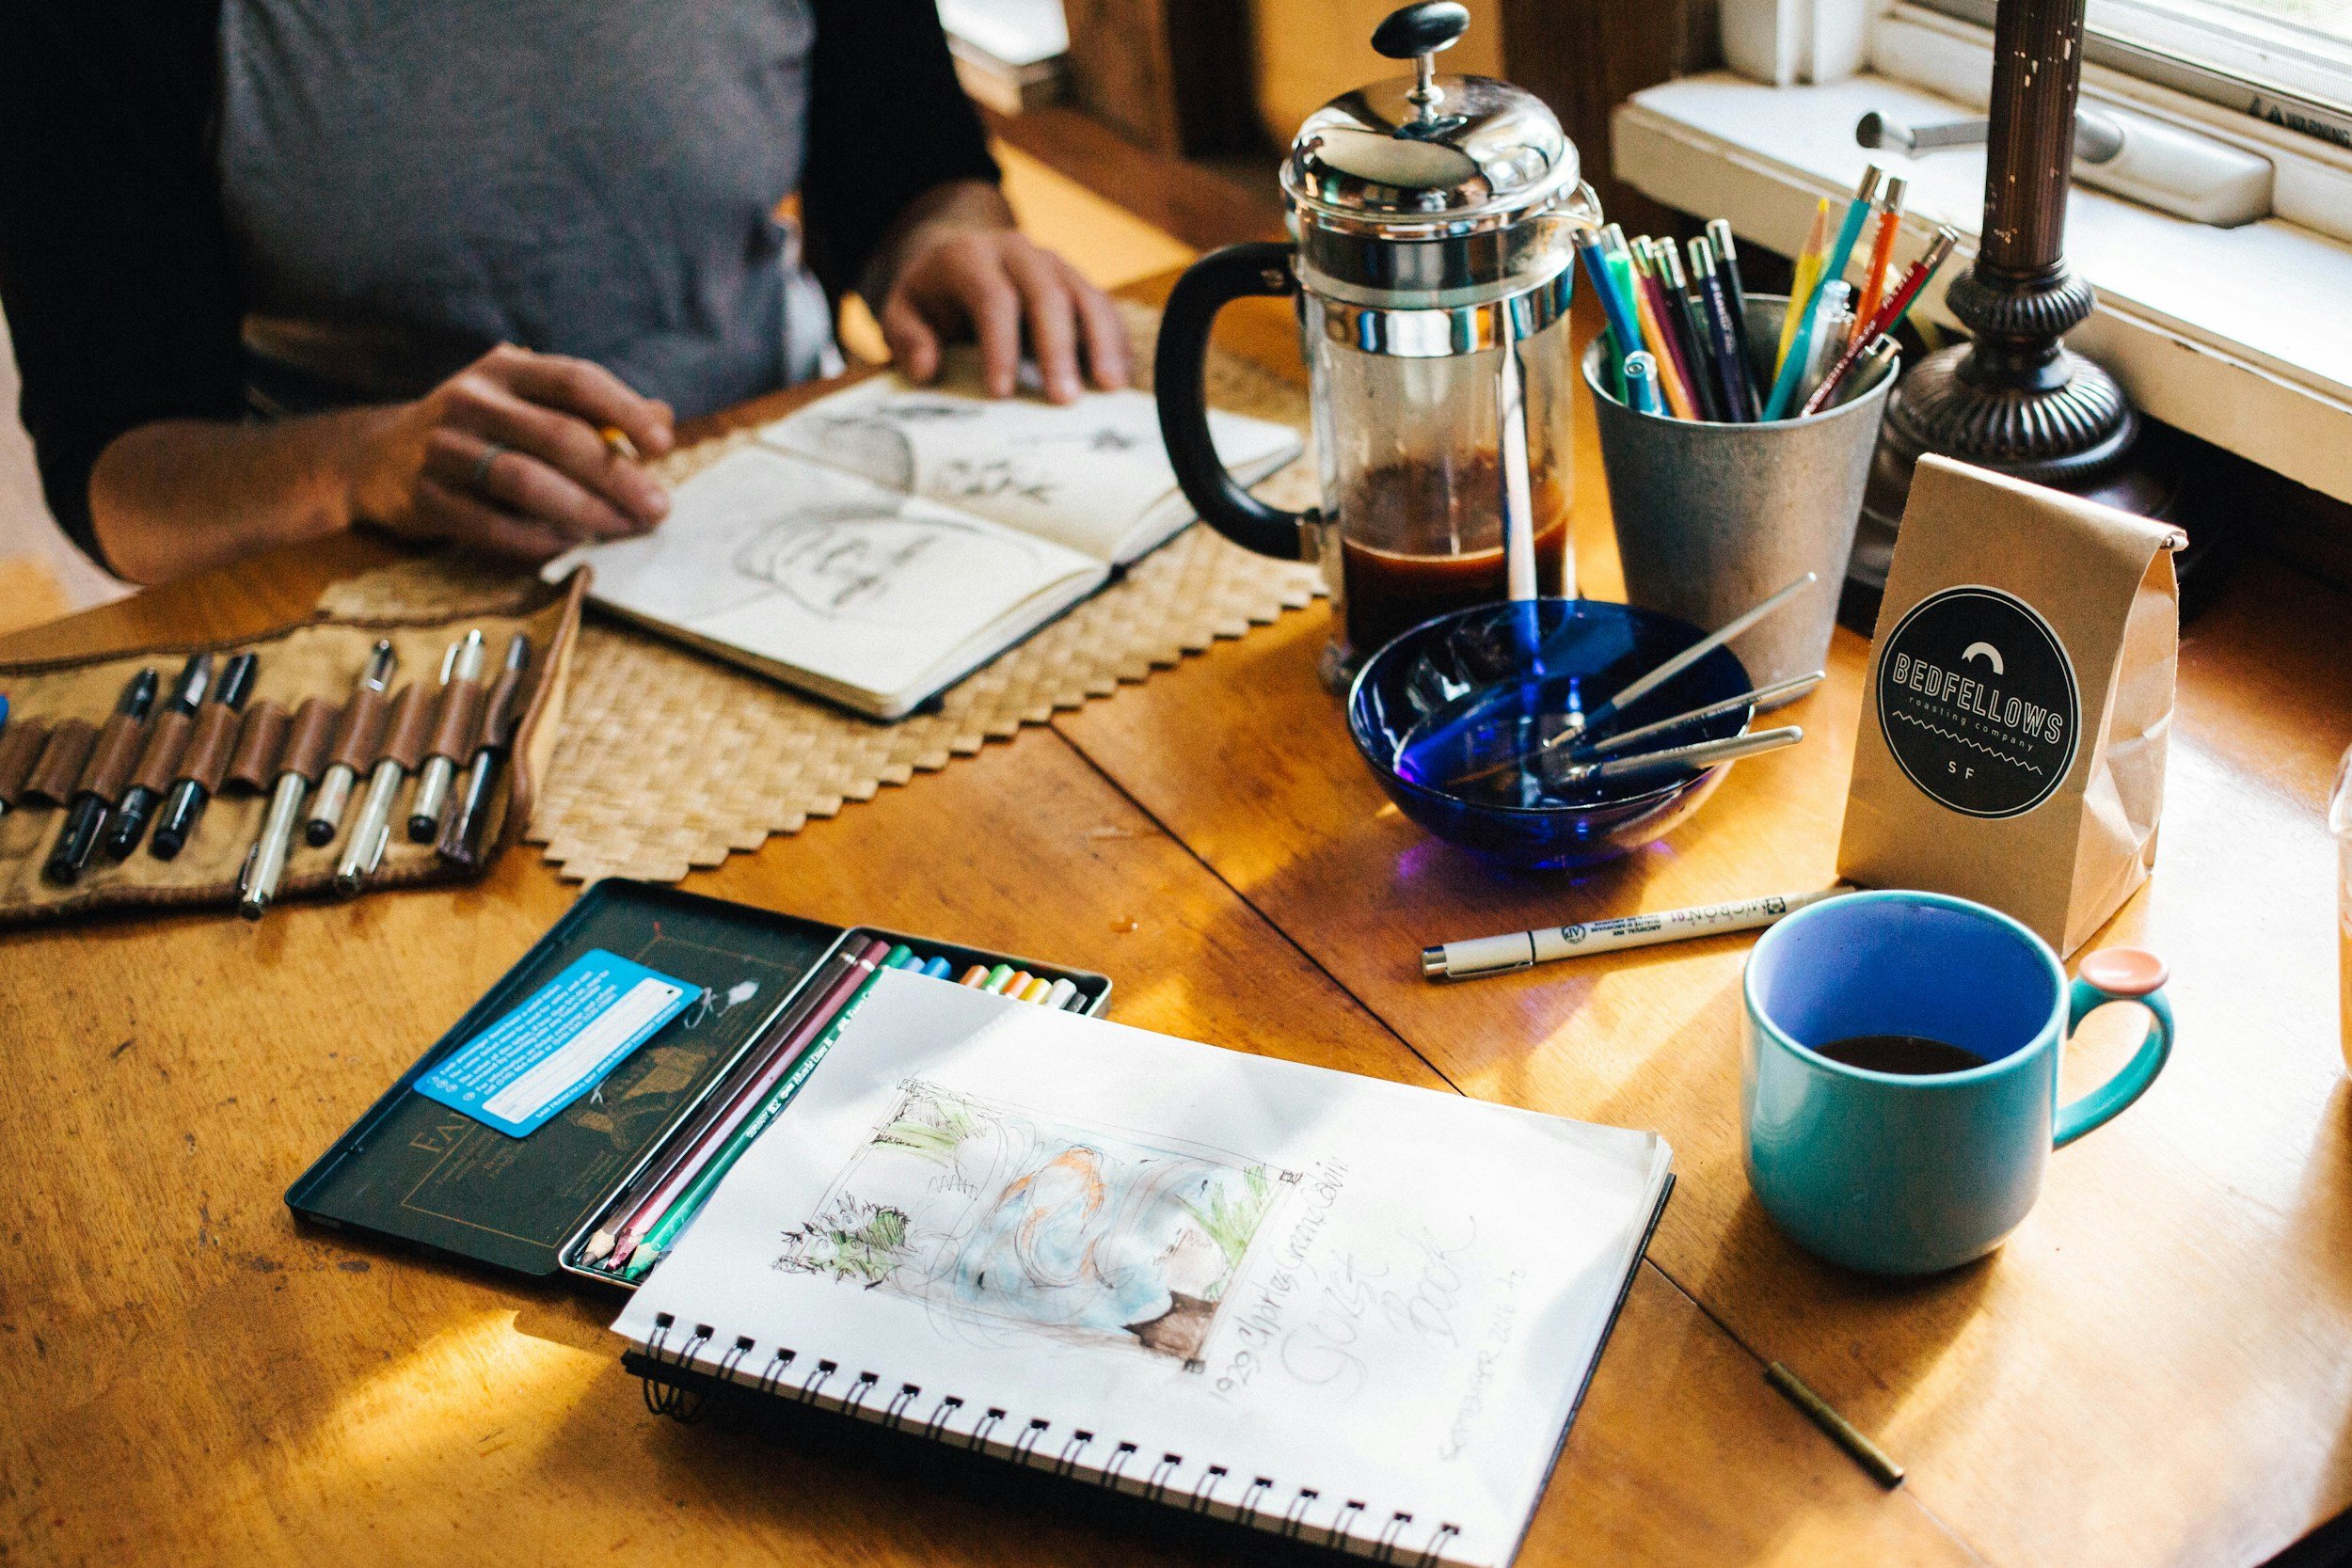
point(2153, 1370)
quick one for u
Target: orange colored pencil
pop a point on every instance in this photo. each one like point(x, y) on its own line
point(1882, 257)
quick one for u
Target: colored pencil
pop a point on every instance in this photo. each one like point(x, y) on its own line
point(756, 1056)
point(1698, 338)
point(1654, 334)
point(975, 975)
point(1036, 990)
point(679, 1214)
point(1061, 993)
point(1882, 254)
point(1800, 287)
point(1890, 313)
point(1625, 333)
point(997, 978)
point(1793, 360)
point(627, 1237)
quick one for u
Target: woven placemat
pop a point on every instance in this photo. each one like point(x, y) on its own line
point(668, 760)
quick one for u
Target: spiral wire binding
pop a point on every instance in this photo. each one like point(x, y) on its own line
point(682, 1402)
point(895, 1412)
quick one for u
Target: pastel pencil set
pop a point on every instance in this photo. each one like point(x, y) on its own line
point(1679, 342)
point(579, 1116)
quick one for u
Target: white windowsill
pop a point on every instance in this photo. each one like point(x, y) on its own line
point(2240, 335)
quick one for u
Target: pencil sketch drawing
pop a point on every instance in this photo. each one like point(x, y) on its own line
point(999, 1220)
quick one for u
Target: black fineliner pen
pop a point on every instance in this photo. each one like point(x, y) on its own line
point(128, 824)
point(460, 840)
point(183, 808)
point(86, 814)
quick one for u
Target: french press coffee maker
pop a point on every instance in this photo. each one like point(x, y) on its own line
point(1433, 219)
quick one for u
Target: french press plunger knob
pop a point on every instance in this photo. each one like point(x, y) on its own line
point(1418, 32)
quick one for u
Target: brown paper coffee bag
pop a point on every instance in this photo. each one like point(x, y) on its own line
point(2018, 699)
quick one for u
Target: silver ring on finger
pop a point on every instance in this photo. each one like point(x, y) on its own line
point(481, 474)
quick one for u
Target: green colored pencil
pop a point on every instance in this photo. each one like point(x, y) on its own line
point(681, 1212)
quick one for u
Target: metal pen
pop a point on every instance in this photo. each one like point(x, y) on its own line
point(462, 662)
point(266, 863)
point(86, 814)
point(129, 823)
point(364, 853)
point(305, 747)
point(327, 807)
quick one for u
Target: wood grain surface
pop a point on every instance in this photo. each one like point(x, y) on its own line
point(2150, 1371)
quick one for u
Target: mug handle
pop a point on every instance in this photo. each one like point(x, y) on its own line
point(2118, 974)
point(1180, 381)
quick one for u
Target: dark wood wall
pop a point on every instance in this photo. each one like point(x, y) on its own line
point(1172, 76)
point(1584, 57)
point(1176, 76)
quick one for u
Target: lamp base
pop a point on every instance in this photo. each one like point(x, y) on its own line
point(2074, 432)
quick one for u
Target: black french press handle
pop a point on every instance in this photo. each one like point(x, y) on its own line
point(1179, 379)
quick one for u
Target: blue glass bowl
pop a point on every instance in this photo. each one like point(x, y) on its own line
point(1488, 684)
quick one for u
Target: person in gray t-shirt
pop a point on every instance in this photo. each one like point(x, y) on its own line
point(476, 256)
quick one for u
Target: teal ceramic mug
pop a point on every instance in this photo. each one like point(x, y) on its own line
point(1906, 1172)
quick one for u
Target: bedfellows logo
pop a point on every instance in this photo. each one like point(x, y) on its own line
point(1976, 700)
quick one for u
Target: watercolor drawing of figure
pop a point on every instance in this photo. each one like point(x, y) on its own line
point(997, 1220)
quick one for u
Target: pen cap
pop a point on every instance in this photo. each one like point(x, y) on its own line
point(211, 745)
point(253, 766)
point(362, 733)
point(166, 743)
point(459, 721)
point(21, 747)
point(409, 727)
point(61, 761)
point(113, 757)
point(306, 743)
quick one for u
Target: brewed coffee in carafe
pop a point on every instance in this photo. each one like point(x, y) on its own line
point(1414, 476)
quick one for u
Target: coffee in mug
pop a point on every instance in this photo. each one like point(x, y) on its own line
point(1899, 1069)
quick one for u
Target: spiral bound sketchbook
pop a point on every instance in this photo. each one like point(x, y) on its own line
point(1352, 1313)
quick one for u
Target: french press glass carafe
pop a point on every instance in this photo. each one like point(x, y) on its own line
point(1433, 219)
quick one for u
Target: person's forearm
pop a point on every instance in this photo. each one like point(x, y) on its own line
point(179, 496)
point(958, 204)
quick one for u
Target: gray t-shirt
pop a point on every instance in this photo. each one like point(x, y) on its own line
point(411, 181)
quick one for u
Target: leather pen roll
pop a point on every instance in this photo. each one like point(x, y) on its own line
point(361, 731)
point(307, 739)
point(111, 760)
point(253, 766)
point(409, 728)
point(21, 746)
point(211, 747)
point(459, 719)
point(168, 737)
point(61, 762)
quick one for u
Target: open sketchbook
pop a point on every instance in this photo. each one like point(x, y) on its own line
point(884, 541)
point(1351, 1311)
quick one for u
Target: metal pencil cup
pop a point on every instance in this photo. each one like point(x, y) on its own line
point(1712, 518)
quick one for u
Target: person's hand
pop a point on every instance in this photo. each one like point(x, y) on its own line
point(509, 455)
point(994, 284)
